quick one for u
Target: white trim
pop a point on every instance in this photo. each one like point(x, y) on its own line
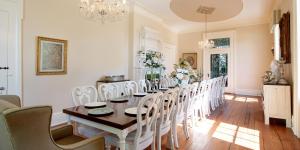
point(230, 51)
point(249, 92)
point(59, 118)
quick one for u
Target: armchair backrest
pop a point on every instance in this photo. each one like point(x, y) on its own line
point(25, 128)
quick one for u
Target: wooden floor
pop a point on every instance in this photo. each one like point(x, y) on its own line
point(237, 124)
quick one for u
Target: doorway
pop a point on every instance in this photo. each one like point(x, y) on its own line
point(218, 60)
point(10, 51)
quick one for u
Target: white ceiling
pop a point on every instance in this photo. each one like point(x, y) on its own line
point(253, 12)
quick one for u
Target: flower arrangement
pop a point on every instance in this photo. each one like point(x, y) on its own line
point(184, 73)
point(153, 60)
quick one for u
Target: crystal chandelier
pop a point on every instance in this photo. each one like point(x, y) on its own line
point(104, 10)
point(205, 43)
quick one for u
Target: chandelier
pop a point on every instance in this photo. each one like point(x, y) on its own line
point(104, 10)
point(205, 43)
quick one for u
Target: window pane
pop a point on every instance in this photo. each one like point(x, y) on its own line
point(219, 65)
point(221, 43)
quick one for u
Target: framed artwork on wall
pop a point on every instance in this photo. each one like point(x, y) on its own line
point(191, 58)
point(51, 56)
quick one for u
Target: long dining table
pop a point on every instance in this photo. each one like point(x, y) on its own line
point(117, 123)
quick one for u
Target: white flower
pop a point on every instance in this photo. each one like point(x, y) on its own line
point(149, 62)
point(180, 76)
point(155, 60)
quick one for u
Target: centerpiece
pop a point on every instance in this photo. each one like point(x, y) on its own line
point(153, 62)
point(184, 73)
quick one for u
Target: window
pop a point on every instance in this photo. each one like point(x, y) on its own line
point(221, 42)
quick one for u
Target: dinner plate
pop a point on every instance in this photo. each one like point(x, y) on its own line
point(139, 94)
point(95, 104)
point(163, 89)
point(119, 100)
point(133, 111)
point(101, 111)
point(152, 92)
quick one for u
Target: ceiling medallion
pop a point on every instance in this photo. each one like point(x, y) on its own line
point(218, 10)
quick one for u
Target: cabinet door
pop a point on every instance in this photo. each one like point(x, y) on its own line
point(273, 101)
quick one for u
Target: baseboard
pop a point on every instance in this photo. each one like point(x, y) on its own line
point(59, 118)
point(250, 92)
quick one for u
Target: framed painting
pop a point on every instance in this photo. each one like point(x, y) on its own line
point(191, 58)
point(51, 56)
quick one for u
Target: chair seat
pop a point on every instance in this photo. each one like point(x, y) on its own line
point(69, 140)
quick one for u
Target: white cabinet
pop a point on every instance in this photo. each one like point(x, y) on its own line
point(277, 103)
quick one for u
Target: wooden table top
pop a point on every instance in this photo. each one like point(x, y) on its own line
point(117, 120)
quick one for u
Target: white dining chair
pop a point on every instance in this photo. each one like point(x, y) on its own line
point(144, 135)
point(179, 113)
point(144, 85)
point(131, 87)
point(164, 121)
point(81, 96)
point(108, 91)
point(84, 94)
point(164, 82)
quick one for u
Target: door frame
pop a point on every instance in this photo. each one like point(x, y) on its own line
point(231, 56)
point(19, 5)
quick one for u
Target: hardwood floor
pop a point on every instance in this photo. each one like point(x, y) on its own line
point(237, 124)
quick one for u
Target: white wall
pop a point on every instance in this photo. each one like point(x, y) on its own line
point(252, 57)
point(141, 18)
point(94, 50)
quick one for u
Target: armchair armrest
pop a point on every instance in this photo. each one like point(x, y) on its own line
point(61, 132)
point(11, 99)
point(94, 143)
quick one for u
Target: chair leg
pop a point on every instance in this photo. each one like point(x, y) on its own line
point(175, 138)
point(185, 129)
point(171, 141)
point(158, 138)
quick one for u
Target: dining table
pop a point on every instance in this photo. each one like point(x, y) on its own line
point(117, 123)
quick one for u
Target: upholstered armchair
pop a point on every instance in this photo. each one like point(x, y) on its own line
point(29, 129)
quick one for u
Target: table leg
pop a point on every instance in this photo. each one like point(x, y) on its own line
point(122, 140)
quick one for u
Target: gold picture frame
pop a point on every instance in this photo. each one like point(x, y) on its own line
point(191, 58)
point(51, 56)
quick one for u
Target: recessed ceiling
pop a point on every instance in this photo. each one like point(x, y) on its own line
point(216, 10)
point(253, 12)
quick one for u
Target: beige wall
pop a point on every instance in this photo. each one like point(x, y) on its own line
point(94, 50)
point(253, 55)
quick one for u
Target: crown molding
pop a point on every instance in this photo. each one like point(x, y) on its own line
point(142, 10)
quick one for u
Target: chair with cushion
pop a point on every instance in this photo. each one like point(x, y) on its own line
point(29, 129)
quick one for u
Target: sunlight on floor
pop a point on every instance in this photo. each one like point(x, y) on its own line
point(248, 138)
point(225, 132)
point(229, 97)
point(241, 136)
point(204, 126)
point(240, 99)
point(252, 100)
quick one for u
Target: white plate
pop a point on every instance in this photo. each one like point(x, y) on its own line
point(101, 111)
point(95, 104)
point(119, 100)
point(133, 111)
point(140, 94)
